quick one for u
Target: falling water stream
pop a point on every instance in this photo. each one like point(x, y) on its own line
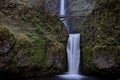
point(73, 52)
point(62, 7)
point(73, 47)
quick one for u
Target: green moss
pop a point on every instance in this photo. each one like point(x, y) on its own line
point(87, 59)
point(98, 49)
point(30, 48)
point(38, 51)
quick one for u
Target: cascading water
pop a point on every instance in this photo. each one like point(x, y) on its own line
point(73, 52)
point(62, 7)
point(73, 47)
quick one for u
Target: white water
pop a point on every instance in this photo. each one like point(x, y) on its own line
point(73, 48)
point(62, 7)
point(73, 53)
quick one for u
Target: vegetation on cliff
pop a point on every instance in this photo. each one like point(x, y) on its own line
point(38, 46)
point(100, 39)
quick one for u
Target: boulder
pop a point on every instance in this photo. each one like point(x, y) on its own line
point(7, 39)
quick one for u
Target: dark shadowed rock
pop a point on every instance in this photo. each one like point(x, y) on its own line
point(4, 62)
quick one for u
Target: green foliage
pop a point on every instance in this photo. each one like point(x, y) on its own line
point(38, 51)
point(104, 50)
point(87, 56)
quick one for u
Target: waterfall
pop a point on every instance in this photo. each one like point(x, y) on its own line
point(73, 53)
point(73, 47)
point(62, 7)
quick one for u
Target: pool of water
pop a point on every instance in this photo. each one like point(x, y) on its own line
point(4, 76)
point(63, 77)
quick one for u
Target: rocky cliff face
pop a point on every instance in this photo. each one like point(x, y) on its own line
point(100, 39)
point(31, 43)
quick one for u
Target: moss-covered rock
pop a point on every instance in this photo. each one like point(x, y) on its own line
point(7, 39)
point(104, 56)
point(39, 49)
point(36, 56)
point(102, 60)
